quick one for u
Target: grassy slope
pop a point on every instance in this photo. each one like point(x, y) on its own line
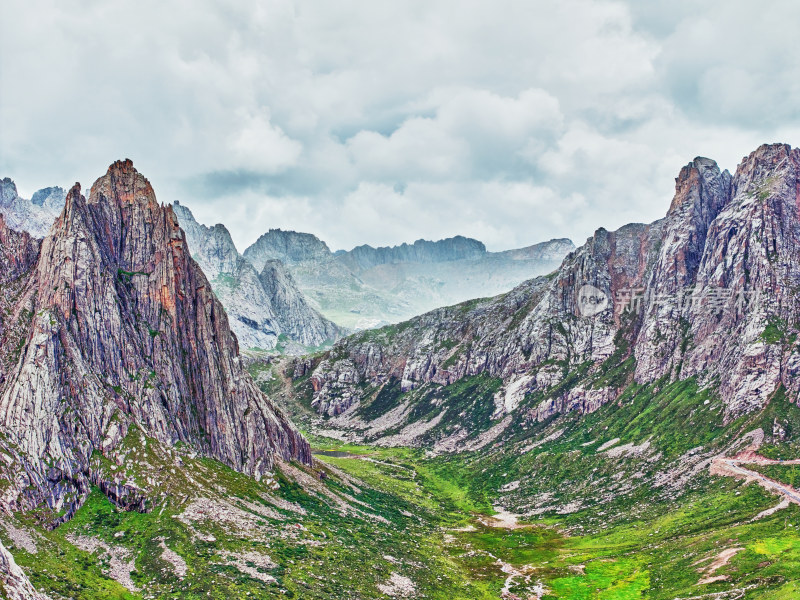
point(647, 548)
point(598, 526)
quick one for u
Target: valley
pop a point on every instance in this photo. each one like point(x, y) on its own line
point(523, 446)
point(423, 526)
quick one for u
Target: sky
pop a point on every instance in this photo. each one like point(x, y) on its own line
point(382, 122)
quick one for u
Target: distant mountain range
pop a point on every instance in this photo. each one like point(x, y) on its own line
point(35, 215)
point(367, 286)
point(309, 296)
point(265, 307)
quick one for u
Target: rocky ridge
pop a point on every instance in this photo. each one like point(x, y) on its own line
point(263, 307)
point(709, 292)
point(14, 584)
point(114, 328)
point(367, 286)
point(35, 215)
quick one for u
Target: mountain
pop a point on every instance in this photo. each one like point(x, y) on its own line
point(707, 294)
point(368, 286)
point(264, 307)
point(362, 258)
point(624, 427)
point(289, 247)
point(111, 331)
point(359, 289)
point(35, 215)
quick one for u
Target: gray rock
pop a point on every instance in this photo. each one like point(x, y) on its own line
point(34, 216)
point(263, 307)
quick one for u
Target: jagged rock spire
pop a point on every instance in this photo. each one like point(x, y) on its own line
point(126, 330)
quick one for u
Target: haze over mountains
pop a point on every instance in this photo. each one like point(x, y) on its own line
point(367, 286)
point(288, 291)
point(265, 306)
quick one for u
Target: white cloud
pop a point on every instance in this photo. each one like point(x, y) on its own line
point(509, 121)
point(258, 145)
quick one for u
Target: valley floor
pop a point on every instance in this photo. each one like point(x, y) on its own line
point(370, 522)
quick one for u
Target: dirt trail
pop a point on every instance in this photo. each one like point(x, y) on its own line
point(732, 467)
point(722, 559)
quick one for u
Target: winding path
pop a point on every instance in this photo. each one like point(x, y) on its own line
point(788, 492)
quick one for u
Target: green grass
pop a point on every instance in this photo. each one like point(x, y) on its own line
point(596, 525)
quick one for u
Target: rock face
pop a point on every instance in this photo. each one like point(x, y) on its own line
point(35, 215)
point(289, 247)
point(708, 292)
point(120, 329)
point(295, 317)
point(14, 584)
point(369, 286)
point(18, 252)
point(262, 311)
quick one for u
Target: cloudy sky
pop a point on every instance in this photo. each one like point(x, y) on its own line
point(378, 121)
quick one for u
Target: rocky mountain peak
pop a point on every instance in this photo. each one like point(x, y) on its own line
point(290, 247)
point(119, 329)
point(34, 216)
point(8, 189)
point(700, 187)
point(49, 197)
point(757, 171)
point(708, 293)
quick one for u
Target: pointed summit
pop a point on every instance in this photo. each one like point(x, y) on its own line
point(124, 330)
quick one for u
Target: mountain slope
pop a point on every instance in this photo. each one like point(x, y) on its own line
point(120, 331)
point(544, 469)
point(709, 293)
point(263, 307)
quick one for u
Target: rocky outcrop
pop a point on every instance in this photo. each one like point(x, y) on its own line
point(289, 247)
point(123, 330)
point(35, 215)
point(14, 584)
point(740, 306)
point(296, 318)
point(710, 292)
point(18, 252)
point(264, 308)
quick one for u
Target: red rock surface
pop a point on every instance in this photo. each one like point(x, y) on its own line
point(125, 330)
